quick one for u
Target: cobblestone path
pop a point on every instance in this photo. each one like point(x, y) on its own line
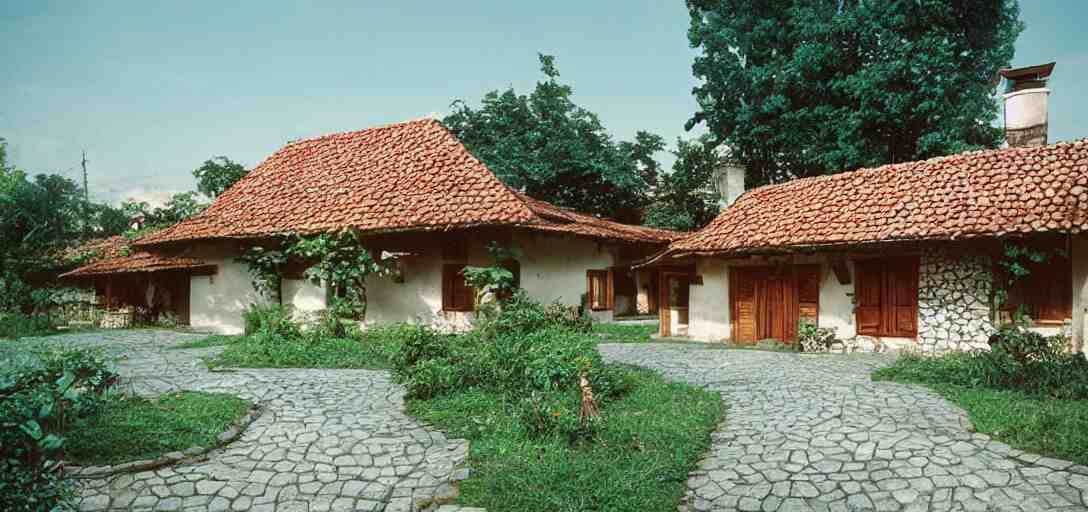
point(328, 439)
point(813, 432)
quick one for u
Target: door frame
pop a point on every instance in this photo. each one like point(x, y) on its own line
point(887, 311)
point(664, 307)
point(791, 300)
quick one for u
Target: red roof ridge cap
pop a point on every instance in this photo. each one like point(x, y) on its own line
point(398, 124)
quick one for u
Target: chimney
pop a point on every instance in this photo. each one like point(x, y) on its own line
point(1026, 105)
point(728, 181)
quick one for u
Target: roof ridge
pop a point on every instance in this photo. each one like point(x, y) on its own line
point(398, 124)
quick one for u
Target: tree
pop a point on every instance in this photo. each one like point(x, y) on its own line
point(685, 198)
point(181, 206)
point(548, 147)
point(807, 87)
point(216, 175)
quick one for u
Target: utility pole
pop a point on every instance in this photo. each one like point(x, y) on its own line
point(86, 195)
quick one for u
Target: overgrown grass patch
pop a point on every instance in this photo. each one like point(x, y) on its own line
point(216, 340)
point(624, 332)
point(639, 459)
point(18, 325)
point(369, 349)
point(132, 428)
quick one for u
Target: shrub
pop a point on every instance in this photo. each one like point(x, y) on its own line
point(18, 325)
point(41, 393)
point(273, 320)
point(1019, 360)
point(813, 338)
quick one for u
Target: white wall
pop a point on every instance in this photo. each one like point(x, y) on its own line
point(837, 302)
point(554, 268)
point(1080, 290)
point(216, 302)
point(708, 303)
point(418, 299)
point(303, 298)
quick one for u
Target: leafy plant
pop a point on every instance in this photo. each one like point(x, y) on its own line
point(265, 268)
point(342, 264)
point(813, 338)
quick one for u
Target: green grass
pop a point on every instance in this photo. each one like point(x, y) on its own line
point(216, 340)
point(130, 428)
point(371, 350)
point(624, 333)
point(649, 441)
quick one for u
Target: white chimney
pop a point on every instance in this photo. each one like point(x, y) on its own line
point(728, 179)
point(1026, 98)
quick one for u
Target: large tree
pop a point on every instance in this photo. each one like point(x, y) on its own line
point(216, 175)
point(685, 198)
point(547, 146)
point(808, 87)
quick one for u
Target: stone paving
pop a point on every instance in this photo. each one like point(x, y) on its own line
point(327, 440)
point(813, 432)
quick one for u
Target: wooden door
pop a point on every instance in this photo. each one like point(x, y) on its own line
point(674, 291)
point(886, 292)
point(769, 302)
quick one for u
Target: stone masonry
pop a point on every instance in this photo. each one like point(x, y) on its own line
point(954, 293)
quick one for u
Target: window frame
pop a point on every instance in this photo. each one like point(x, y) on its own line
point(607, 303)
point(1028, 293)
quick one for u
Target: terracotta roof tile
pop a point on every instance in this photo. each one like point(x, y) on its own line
point(140, 261)
point(976, 194)
point(408, 176)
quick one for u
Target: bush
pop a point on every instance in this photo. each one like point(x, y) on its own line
point(272, 320)
point(1019, 360)
point(41, 393)
point(19, 325)
point(813, 338)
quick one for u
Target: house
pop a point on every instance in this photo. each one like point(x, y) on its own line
point(134, 286)
point(414, 191)
point(906, 255)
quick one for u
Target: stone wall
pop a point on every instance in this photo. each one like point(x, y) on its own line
point(954, 293)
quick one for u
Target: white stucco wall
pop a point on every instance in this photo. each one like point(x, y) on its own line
point(1079, 255)
point(554, 268)
point(837, 302)
point(708, 303)
point(418, 299)
point(303, 298)
point(216, 302)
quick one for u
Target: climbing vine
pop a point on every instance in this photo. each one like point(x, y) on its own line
point(342, 263)
point(495, 281)
point(1016, 263)
point(266, 270)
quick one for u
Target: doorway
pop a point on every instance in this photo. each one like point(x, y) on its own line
point(887, 297)
point(769, 302)
point(673, 304)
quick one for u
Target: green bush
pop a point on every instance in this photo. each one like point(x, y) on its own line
point(271, 319)
point(1019, 360)
point(812, 338)
point(19, 325)
point(41, 393)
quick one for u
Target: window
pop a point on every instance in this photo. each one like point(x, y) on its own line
point(1046, 293)
point(599, 288)
point(886, 297)
point(456, 295)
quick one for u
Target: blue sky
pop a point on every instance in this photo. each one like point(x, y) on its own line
point(152, 89)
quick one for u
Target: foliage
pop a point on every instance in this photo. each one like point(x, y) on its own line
point(625, 333)
point(495, 282)
point(652, 437)
point(1015, 263)
point(1019, 360)
point(272, 319)
point(686, 200)
point(342, 265)
point(19, 325)
point(265, 268)
point(216, 175)
point(813, 338)
point(133, 428)
point(548, 147)
point(181, 206)
point(43, 391)
point(1046, 426)
point(216, 340)
point(807, 87)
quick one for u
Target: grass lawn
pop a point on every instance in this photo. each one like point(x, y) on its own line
point(651, 438)
point(129, 429)
point(216, 340)
point(371, 350)
point(624, 333)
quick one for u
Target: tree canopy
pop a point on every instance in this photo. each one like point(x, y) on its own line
point(807, 87)
point(548, 147)
point(217, 174)
point(684, 199)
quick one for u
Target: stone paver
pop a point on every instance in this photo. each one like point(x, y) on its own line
point(813, 432)
point(329, 440)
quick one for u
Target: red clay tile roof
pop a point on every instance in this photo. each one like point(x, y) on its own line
point(969, 195)
point(140, 261)
point(408, 176)
point(97, 249)
point(562, 220)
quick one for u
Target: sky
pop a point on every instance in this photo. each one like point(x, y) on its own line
point(152, 89)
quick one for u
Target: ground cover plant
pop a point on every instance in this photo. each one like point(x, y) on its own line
point(19, 325)
point(134, 428)
point(274, 340)
point(553, 427)
point(625, 333)
point(215, 340)
point(1027, 391)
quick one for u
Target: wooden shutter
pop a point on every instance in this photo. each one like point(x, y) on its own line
point(743, 291)
point(808, 292)
point(867, 294)
point(456, 295)
point(599, 289)
point(903, 294)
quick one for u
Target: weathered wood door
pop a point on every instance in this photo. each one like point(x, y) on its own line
point(886, 292)
point(769, 302)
